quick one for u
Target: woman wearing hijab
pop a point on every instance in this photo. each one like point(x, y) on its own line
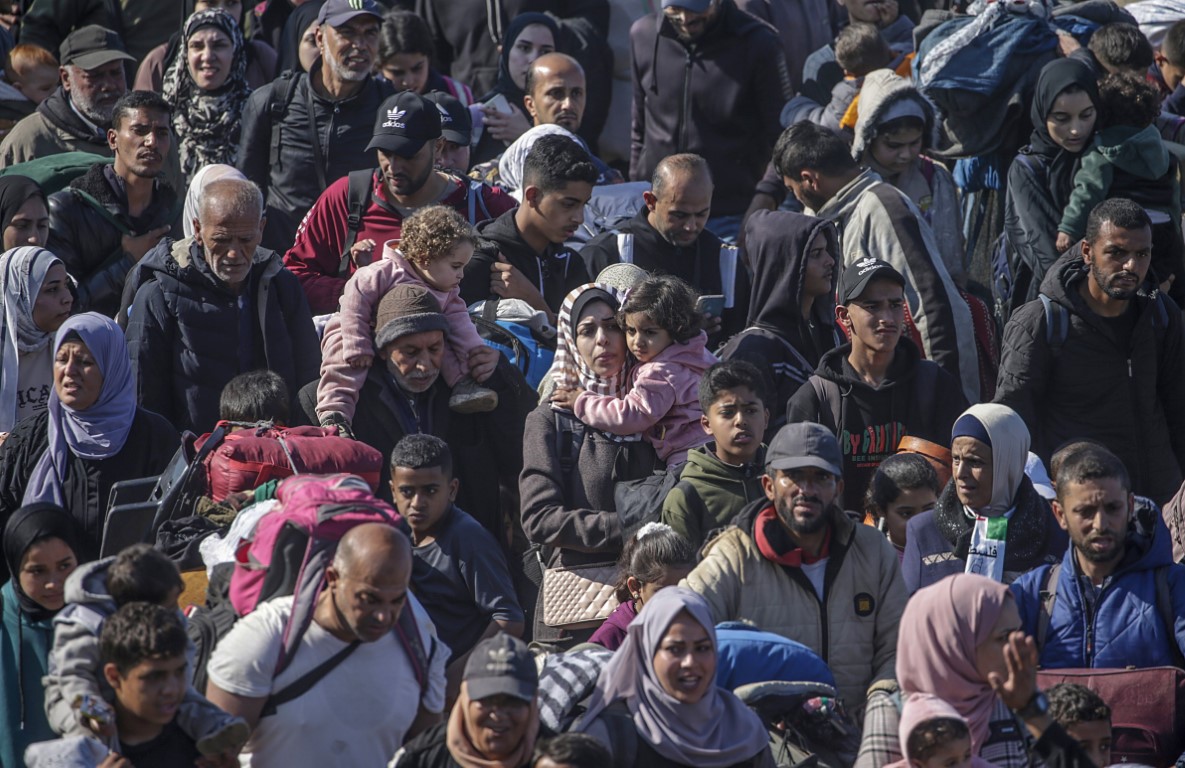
point(989, 519)
point(206, 85)
point(664, 676)
point(39, 544)
point(950, 645)
point(37, 300)
point(528, 36)
point(1064, 114)
point(91, 436)
point(298, 46)
point(569, 469)
point(205, 176)
point(24, 212)
point(261, 58)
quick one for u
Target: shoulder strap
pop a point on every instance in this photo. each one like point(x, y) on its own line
point(407, 629)
point(927, 167)
point(302, 686)
point(1057, 324)
point(625, 247)
point(827, 391)
point(1164, 605)
point(1048, 597)
point(925, 388)
point(283, 87)
point(357, 201)
point(101, 209)
point(569, 435)
point(477, 199)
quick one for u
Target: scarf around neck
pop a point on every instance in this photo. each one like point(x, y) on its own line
point(22, 272)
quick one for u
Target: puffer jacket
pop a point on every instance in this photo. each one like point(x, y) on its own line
point(717, 493)
point(854, 629)
point(1126, 395)
point(876, 219)
point(91, 245)
point(720, 97)
point(1124, 627)
point(785, 347)
point(927, 183)
point(186, 333)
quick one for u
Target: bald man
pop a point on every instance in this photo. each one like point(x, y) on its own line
point(556, 92)
point(370, 701)
point(669, 235)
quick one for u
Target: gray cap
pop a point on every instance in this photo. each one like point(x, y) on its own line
point(805, 444)
point(501, 665)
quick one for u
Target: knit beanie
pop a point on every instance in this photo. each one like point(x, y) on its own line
point(407, 309)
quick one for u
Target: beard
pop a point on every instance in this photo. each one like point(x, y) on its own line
point(1110, 286)
point(1107, 556)
point(809, 527)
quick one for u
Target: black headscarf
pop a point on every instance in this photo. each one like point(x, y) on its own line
point(288, 57)
point(15, 190)
point(1055, 78)
point(27, 526)
point(505, 84)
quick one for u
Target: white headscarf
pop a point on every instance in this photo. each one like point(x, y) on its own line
point(22, 271)
point(1008, 437)
point(203, 178)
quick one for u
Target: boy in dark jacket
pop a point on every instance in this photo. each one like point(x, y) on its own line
point(723, 476)
point(876, 389)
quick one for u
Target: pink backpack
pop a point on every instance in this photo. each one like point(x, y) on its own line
point(292, 546)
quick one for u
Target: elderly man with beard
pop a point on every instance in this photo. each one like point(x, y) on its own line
point(794, 563)
point(1099, 355)
point(306, 130)
point(405, 394)
point(1118, 592)
point(76, 116)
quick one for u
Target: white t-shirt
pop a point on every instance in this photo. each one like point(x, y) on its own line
point(357, 715)
point(815, 572)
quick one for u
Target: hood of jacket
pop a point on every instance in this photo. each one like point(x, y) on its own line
point(844, 202)
point(842, 526)
point(881, 90)
point(1148, 544)
point(901, 371)
point(57, 111)
point(88, 584)
point(1139, 152)
point(776, 245)
point(691, 355)
point(703, 464)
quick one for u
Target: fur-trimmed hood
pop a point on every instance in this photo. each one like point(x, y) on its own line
point(881, 90)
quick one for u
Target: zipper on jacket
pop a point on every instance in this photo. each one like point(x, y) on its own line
point(686, 111)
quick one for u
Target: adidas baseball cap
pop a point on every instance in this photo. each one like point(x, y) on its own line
point(456, 124)
point(501, 665)
point(856, 278)
point(405, 123)
point(335, 13)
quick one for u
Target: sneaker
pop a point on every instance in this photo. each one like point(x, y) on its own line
point(230, 738)
point(335, 419)
point(470, 397)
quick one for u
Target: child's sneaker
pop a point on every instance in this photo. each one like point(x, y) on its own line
point(470, 397)
point(335, 419)
point(230, 738)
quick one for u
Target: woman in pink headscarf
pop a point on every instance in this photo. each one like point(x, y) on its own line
point(960, 641)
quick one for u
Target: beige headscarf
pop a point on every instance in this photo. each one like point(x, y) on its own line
point(460, 741)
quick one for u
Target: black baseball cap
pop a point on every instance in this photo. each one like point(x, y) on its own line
point(456, 123)
point(857, 277)
point(91, 47)
point(805, 444)
point(501, 665)
point(335, 13)
point(404, 124)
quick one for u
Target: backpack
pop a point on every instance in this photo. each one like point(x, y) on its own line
point(1012, 276)
point(831, 398)
point(54, 173)
point(527, 350)
point(209, 623)
point(288, 555)
point(807, 723)
point(358, 194)
point(248, 458)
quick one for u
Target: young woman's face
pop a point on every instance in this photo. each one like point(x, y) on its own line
point(1071, 120)
point(670, 577)
point(599, 340)
point(209, 53)
point(407, 71)
point(53, 303)
point(896, 151)
point(76, 376)
point(913, 501)
point(44, 570)
point(29, 225)
point(820, 266)
point(989, 655)
point(685, 663)
point(534, 41)
point(308, 52)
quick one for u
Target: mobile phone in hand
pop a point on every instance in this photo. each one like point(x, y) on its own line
point(711, 304)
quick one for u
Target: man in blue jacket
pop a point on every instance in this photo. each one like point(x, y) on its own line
point(1116, 599)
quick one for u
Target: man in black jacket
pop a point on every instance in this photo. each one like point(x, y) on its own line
point(305, 131)
point(216, 305)
point(1099, 355)
point(107, 219)
point(522, 254)
point(709, 79)
point(669, 235)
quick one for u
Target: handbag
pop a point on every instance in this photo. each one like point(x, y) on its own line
point(579, 596)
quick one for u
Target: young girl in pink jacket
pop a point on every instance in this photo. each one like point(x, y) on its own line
point(662, 331)
point(436, 243)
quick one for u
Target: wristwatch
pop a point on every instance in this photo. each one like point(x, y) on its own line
point(1037, 706)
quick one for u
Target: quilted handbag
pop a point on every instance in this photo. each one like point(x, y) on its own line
point(579, 596)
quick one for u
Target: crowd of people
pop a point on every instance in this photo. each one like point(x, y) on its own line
point(833, 419)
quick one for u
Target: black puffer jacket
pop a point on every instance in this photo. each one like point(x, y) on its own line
point(185, 334)
point(90, 242)
point(87, 485)
point(720, 97)
point(1126, 395)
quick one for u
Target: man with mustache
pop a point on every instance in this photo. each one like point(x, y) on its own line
point(793, 563)
point(305, 131)
point(1099, 355)
point(106, 220)
point(875, 389)
point(1116, 593)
